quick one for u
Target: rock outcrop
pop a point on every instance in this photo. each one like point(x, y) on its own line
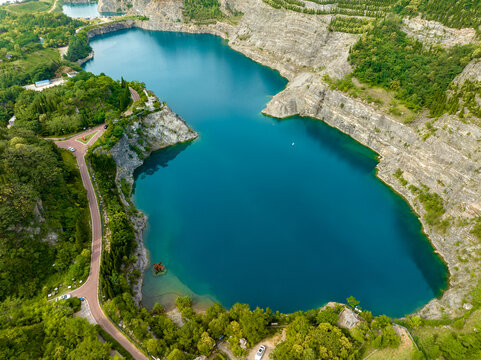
point(471, 72)
point(432, 32)
point(156, 130)
point(443, 156)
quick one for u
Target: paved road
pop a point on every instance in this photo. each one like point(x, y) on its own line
point(89, 289)
point(135, 97)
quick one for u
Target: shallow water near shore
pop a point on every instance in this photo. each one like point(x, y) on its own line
point(280, 213)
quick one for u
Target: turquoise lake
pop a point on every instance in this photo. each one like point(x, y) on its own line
point(81, 10)
point(281, 213)
point(84, 10)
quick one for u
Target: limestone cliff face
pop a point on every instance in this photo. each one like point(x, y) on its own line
point(445, 158)
point(156, 130)
point(471, 72)
point(432, 32)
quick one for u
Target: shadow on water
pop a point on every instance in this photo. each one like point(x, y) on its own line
point(419, 248)
point(160, 159)
point(338, 143)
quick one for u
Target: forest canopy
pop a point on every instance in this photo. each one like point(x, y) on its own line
point(86, 100)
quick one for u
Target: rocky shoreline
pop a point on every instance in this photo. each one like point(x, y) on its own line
point(444, 158)
point(158, 129)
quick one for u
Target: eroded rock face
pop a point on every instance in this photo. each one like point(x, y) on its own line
point(471, 72)
point(159, 129)
point(432, 32)
point(446, 158)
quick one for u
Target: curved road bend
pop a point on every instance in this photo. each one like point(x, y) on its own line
point(90, 289)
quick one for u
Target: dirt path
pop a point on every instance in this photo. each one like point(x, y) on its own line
point(225, 349)
point(89, 290)
point(53, 6)
point(270, 343)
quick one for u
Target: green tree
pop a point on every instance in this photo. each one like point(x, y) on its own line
point(205, 344)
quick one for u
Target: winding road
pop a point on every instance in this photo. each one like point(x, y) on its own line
point(90, 289)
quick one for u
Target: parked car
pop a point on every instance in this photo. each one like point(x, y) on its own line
point(106, 126)
point(72, 149)
point(260, 352)
point(64, 297)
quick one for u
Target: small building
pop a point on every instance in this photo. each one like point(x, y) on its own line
point(11, 122)
point(9, 56)
point(72, 74)
point(348, 319)
point(42, 83)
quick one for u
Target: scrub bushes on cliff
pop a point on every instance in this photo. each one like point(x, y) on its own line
point(201, 10)
point(20, 34)
point(388, 58)
point(40, 191)
point(452, 13)
point(163, 338)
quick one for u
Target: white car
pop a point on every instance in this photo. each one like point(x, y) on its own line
point(64, 297)
point(72, 149)
point(260, 352)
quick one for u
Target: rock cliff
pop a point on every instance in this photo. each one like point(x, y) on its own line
point(444, 156)
point(156, 130)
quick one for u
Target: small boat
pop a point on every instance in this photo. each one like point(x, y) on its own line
point(159, 269)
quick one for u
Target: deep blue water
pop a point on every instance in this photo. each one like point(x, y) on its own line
point(286, 214)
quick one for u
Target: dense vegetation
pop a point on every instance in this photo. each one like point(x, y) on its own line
point(388, 58)
point(370, 8)
point(27, 53)
point(463, 99)
point(350, 24)
point(201, 10)
point(24, 34)
point(36, 329)
point(39, 190)
point(85, 100)
point(452, 13)
point(113, 277)
point(78, 47)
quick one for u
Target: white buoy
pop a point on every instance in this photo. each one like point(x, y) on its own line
point(293, 144)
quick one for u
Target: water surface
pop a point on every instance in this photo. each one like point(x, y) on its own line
point(286, 214)
point(81, 10)
point(84, 10)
